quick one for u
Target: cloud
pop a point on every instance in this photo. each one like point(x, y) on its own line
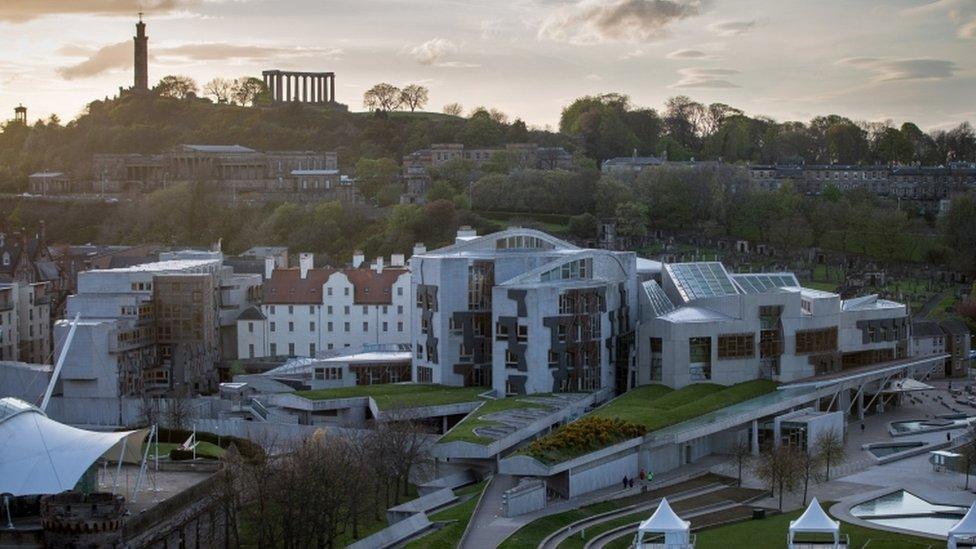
point(19, 11)
point(435, 52)
point(701, 78)
point(732, 28)
point(119, 56)
point(688, 54)
point(102, 60)
point(886, 70)
point(961, 13)
point(631, 21)
point(968, 30)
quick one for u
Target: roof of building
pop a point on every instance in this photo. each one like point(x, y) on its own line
point(813, 293)
point(226, 149)
point(523, 239)
point(252, 313)
point(703, 279)
point(41, 175)
point(867, 303)
point(634, 161)
point(314, 172)
point(369, 287)
point(170, 266)
point(926, 328)
point(758, 283)
point(955, 327)
point(660, 303)
point(691, 313)
point(262, 251)
point(645, 265)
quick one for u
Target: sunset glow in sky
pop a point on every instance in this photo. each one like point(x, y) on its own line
point(788, 59)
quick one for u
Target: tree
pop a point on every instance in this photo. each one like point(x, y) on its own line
point(453, 109)
point(959, 231)
point(584, 225)
point(178, 87)
point(830, 446)
point(247, 90)
point(781, 468)
point(374, 174)
point(220, 89)
point(741, 451)
point(414, 96)
point(968, 451)
point(382, 97)
point(631, 219)
point(810, 462)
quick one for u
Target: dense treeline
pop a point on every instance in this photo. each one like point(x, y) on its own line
point(610, 126)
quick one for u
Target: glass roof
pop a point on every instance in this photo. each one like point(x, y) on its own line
point(757, 283)
point(659, 300)
point(698, 280)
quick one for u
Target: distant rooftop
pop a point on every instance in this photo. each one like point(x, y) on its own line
point(868, 302)
point(698, 280)
point(227, 149)
point(174, 265)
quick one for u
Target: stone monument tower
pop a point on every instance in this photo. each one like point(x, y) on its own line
point(141, 57)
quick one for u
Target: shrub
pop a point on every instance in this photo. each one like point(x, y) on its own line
point(177, 454)
point(585, 435)
point(249, 450)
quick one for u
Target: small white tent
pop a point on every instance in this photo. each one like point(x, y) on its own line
point(664, 521)
point(964, 530)
point(814, 521)
point(41, 456)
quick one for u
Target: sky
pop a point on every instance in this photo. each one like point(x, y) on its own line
point(871, 60)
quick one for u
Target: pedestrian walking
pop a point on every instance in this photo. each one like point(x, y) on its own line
point(625, 482)
point(631, 483)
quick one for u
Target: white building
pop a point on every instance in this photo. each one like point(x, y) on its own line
point(703, 324)
point(147, 328)
point(310, 310)
point(25, 322)
point(524, 312)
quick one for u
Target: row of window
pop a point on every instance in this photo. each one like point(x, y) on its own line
point(273, 326)
point(346, 309)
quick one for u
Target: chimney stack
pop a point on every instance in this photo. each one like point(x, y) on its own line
point(305, 261)
point(464, 234)
point(269, 266)
point(419, 248)
point(397, 260)
point(379, 265)
point(357, 259)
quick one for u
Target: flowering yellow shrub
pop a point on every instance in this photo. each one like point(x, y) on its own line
point(584, 435)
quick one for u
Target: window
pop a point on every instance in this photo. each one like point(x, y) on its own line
point(271, 309)
point(501, 331)
point(365, 326)
point(273, 326)
point(699, 349)
point(657, 359)
point(311, 349)
point(365, 309)
point(347, 326)
point(311, 309)
point(311, 326)
point(523, 333)
point(328, 291)
point(345, 309)
point(420, 351)
point(250, 327)
point(400, 291)
point(274, 349)
point(329, 326)
point(345, 290)
point(400, 309)
point(399, 326)
point(328, 309)
point(425, 374)
point(816, 341)
point(250, 350)
point(736, 346)
point(291, 349)
point(385, 327)
point(291, 326)
point(511, 361)
point(386, 309)
point(291, 309)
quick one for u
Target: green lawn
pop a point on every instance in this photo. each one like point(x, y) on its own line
point(460, 514)
point(532, 534)
point(656, 406)
point(771, 533)
point(464, 430)
point(400, 394)
point(204, 450)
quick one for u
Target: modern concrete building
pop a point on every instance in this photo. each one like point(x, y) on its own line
point(306, 310)
point(704, 324)
point(25, 322)
point(524, 312)
point(146, 329)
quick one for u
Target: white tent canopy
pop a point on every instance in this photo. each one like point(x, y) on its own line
point(965, 529)
point(815, 521)
point(665, 521)
point(41, 456)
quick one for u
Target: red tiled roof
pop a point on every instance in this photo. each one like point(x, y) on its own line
point(369, 287)
point(286, 286)
point(372, 288)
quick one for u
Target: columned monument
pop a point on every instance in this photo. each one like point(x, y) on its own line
point(141, 57)
point(300, 87)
